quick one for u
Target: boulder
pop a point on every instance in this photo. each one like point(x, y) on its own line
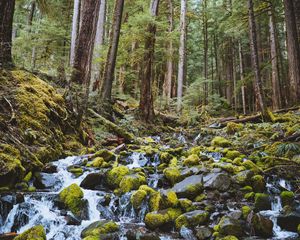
point(115, 176)
point(218, 181)
point(289, 221)
point(203, 233)
point(45, 181)
point(36, 233)
point(243, 178)
point(93, 181)
point(102, 229)
point(262, 202)
point(262, 226)
point(162, 220)
point(192, 219)
point(190, 187)
point(230, 226)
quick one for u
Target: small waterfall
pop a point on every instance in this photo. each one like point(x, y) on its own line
point(216, 156)
point(187, 234)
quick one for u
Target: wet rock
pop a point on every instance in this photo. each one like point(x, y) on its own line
point(189, 187)
point(6, 205)
point(203, 233)
point(93, 181)
point(36, 233)
point(192, 219)
point(22, 216)
point(45, 181)
point(258, 183)
point(187, 233)
point(237, 214)
point(101, 228)
point(163, 220)
point(262, 202)
point(230, 226)
point(172, 174)
point(220, 142)
point(71, 220)
point(49, 168)
point(132, 182)
point(141, 234)
point(244, 177)
point(115, 176)
point(218, 181)
point(289, 221)
point(287, 198)
point(262, 226)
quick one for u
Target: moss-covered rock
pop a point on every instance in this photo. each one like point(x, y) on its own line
point(137, 198)
point(190, 187)
point(230, 237)
point(105, 154)
point(162, 219)
point(287, 198)
point(99, 228)
point(232, 154)
point(72, 198)
point(115, 176)
point(232, 127)
point(172, 174)
point(244, 177)
point(191, 160)
point(165, 157)
point(96, 162)
point(169, 199)
point(192, 219)
point(262, 202)
point(248, 164)
point(220, 142)
point(35, 233)
point(262, 226)
point(229, 226)
point(132, 182)
point(258, 183)
point(245, 211)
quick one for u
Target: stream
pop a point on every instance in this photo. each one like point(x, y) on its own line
point(40, 208)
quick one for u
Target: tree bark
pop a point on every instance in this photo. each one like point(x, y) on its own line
point(109, 71)
point(255, 62)
point(293, 51)
point(243, 87)
point(75, 29)
point(146, 97)
point(205, 41)
point(182, 56)
point(276, 96)
point(7, 8)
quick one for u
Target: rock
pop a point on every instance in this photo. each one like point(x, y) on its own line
point(246, 211)
point(287, 198)
point(137, 198)
point(191, 160)
point(100, 228)
point(162, 220)
point(168, 199)
point(190, 187)
point(248, 164)
point(203, 233)
point(45, 181)
point(262, 202)
point(165, 157)
point(8, 236)
point(72, 220)
point(132, 182)
point(36, 233)
point(232, 127)
point(172, 174)
point(72, 197)
point(141, 234)
point(262, 226)
point(289, 221)
point(258, 183)
point(93, 181)
point(106, 155)
point(220, 142)
point(218, 181)
point(237, 214)
point(243, 178)
point(229, 226)
point(115, 176)
point(232, 154)
point(192, 219)
point(49, 168)
point(96, 162)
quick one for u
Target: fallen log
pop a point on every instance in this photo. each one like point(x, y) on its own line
point(112, 126)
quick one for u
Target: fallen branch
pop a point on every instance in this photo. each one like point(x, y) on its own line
point(112, 126)
point(13, 114)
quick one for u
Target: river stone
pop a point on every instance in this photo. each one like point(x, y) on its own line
point(192, 219)
point(230, 226)
point(189, 187)
point(101, 227)
point(244, 177)
point(289, 221)
point(218, 181)
point(142, 234)
point(92, 181)
point(262, 202)
point(203, 233)
point(262, 226)
point(46, 181)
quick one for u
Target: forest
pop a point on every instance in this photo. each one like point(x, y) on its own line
point(149, 119)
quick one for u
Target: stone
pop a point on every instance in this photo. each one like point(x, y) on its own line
point(192, 219)
point(218, 181)
point(229, 226)
point(203, 233)
point(100, 227)
point(287, 198)
point(262, 226)
point(92, 181)
point(190, 187)
point(243, 178)
point(258, 183)
point(289, 221)
point(36, 233)
point(262, 202)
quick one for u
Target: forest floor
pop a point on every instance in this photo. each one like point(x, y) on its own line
point(214, 179)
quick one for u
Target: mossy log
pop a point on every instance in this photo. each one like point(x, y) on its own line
point(112, 126)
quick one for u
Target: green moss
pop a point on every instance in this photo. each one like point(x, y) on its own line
point(230, 237)
point(105, 154)
point(191, 160)
point(147, 189)
point(245, 211)
point(96, 163)
point(35, 233)
point(232, 154)
point(165, 157)
point(262, 202)
point(28, 177)
point(170, 199)
point(298, 229)
point(137, 198)
point(186, 205)
point(200, 197)
point(115, 176)
point(232, 127)
point(100, 227)
point(131, 182)
point(220, 142)
point(172, 174)
point(287, 197)
point(248, 164)
point(31, 189)
point(258, 183)
point(249, 196)
point(72, 198)
point(247, 189)
point(155, 220)
point(155, 201)
point(76, 171)
point(191, 219)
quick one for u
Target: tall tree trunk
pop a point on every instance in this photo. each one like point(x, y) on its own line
point(31, 14)
point(7, 8)
point(255, 62)
point(75, 29)
point(146, 97)
point(99, 42)
point(109, 71)
point(276, 96)
point(81, 73)
point(182, 56)
point(297, 14)
point(293, 51)
point(205, 60)
point(243, 85)
point(167, 88)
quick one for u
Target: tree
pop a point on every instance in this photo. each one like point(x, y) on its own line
point(293, 51)
point(109, 71)
point(146, 97)
point(255, 62)
point(7, 8)
point(83, 55)
point(182, 56)
point(75, 29)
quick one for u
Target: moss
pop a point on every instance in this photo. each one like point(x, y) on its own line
point(105, 154)
point(232, 127)
point(195, 150)
point(220, 142)
point(155, 201)
point(22, 186)
point(155, 220)
point(96, 163)
point(172, 174)
point(247, 189)
point(191, 160)
point(232, 154)
point(76, 171)
point(131, 182)
point(249, 196)
point(173, 213)
point(245, 211)
point(258, 183)
point(147, 189)
point(298, 229)
point(230, 237)
point(248, 164)
point(31, 189)
point(35, 233)
point(28, 177)
point(100, 227)
point(200, 197)
point(191, 219)
point(72, 198)
point(165, 157)
point(287, 198)
point(262, 202)
point(170, 199)
point(137, 198)
point(186, 205)
point(115, 176)
point(228, 167)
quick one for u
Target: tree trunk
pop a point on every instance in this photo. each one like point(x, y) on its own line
point(243, 87)
point(293, 51)
point(75, 29)
point(276, 96)
point(81, 73)
point(255, 62)
point(297, 14)
point(182, 56)
point(205, 43)
point(109, 71)
point(167, 88)
point(7, 8)
point(146, 97)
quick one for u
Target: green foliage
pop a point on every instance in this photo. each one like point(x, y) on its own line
point(288, 149)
